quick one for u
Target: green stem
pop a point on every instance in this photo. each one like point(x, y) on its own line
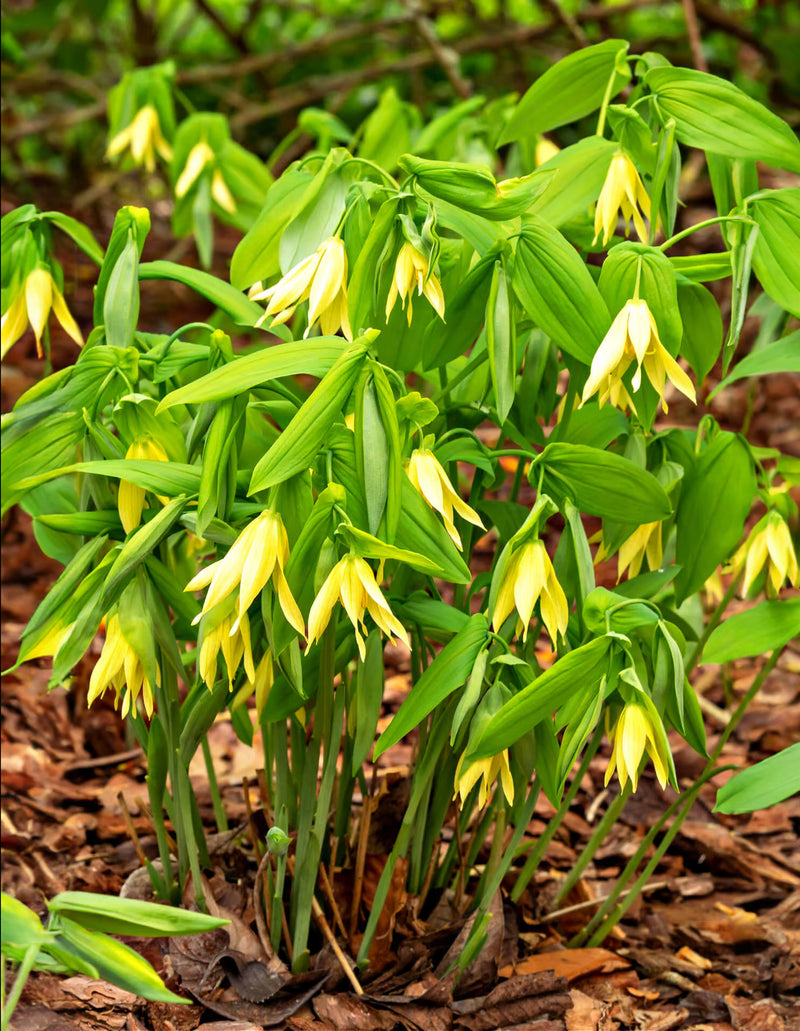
point(539, 849)
point(216, 799)
point(23, 972)
point(601, 120)
point(712, 624)
point(701, 225)
point(610, 817)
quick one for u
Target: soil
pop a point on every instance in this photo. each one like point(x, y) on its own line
point(713, 944)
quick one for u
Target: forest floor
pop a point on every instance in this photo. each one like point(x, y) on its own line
point(712, 945)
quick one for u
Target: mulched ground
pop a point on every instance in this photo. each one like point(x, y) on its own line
point(713, 945)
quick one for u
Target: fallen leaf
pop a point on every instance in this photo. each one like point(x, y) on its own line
point(569, 963)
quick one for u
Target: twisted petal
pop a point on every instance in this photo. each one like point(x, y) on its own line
point(530, 573)
point(610, 361)
point(39, 299)
point(199, 157)
point(64, 316)
point(220, 192)
point(13, 324)
point(322, 606)
point(329, 278)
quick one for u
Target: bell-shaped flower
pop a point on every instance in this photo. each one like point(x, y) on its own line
point(33, 303)
point(199, 156)
point(645, 540)
point(257, 555)
point(120, 667)
point(635, 733)
point(130, 500)
point(232, 639)
point(352, 582)
point(429, 478)
point(530, 577)
point(633, 336)
point(144, 138)
point(769, 545)
point(487, 771)
point(411, 270)
point(320, 279)
point(623, 192)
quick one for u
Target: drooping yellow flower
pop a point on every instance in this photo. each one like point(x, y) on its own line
point(713, 589)
point(431, 481)
point(545, 149)
point(199, 156)
point(410, 271)
point(33, 303)
point(634, 734)
point(130, 500)
point(257, 555)
point(487, 771)
point(144, 137)
point(622, 192)
point(633, 336)
point(352, 582)
point(321, 279)
point(233, 640)
point(768, 545)
point(120, 667)
point(645, 540)
point(529, 578)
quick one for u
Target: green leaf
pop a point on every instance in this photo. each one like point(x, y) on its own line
point(121, 302)
point(776, 254)
point(243, 311)
point(466, 313)
point(297, 447)
point(159, 477)
point(537, 701)
point(765, 627)
point(780, 356)
point(78, 232)
point(703, 268)
point(601, 483)
point(702, 327)
point(20, 926)
point(557, 290)
point(569, 90)
point(770, 781)
point(715, 500)
point(130, 916)
point(420, 530)
point(448, 671)
point(129, 223)
point(580, 173)
point(717, 116)
point(116, 963)
point(368, 699)
point(657, 286)
point(501, 342)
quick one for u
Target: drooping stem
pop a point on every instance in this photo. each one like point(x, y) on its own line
point(23, 971)
point(216, 799)
point(712, 624)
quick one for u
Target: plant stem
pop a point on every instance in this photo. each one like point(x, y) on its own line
point(701, 225)
point(601, 120)
point(610, 817)
point(23, 971)
point(216, 800)
point(535, 857)
point(712, 624)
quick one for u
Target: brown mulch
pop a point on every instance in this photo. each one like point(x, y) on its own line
point(713, 945)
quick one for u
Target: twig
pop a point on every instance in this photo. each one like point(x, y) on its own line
point(126, 816)
point(558, 913)
point(327, 891)
point(567, 19)
point(445, 56)
point(324, 926)
point(693, 33)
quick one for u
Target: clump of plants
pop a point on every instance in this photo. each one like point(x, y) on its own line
point(491, 352)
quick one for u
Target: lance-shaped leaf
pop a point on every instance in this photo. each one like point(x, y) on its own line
point(602, 483)
point(557, 290)
point(768, 625)
point(448, 671)
point(131, 916)
point(768, 782)
point(297, 447)
point(575, 672)
point(717, 116)
point(227, 298)
point(715, 500)
point(776, 254)
point(570, 89)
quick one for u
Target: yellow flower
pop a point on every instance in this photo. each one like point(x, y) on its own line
point(411, 270)
point(120, 667)
point(768, 545)
point(487, 770)
point(634, 734)
point(545, 149)
point(713, 588)
point(50, 639)
point(38, 295)
point(352, 582)
point(321, 279)
point(529, 578)
point(233, 640)
point(130, 500)
point(199, 156)
point(623, 191)
point(646, 540)
point(429, 478)
point(144, 138)
point(257, 555)
point(633, 336)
